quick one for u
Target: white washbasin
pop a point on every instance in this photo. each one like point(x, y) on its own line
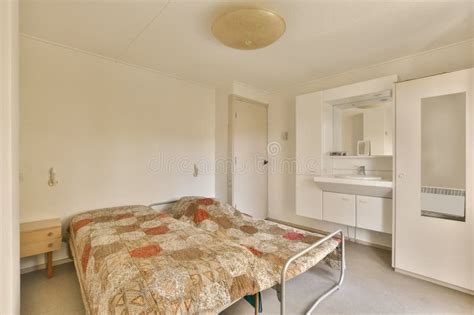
point(362, 177)
point(356, 185)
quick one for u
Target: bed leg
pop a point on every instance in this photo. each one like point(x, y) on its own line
point(337, 285)
point(328, 292)
point(257, 304)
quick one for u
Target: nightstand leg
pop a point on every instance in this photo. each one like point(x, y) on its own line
point(50, 264)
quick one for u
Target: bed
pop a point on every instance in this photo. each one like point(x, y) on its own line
point(199, 256)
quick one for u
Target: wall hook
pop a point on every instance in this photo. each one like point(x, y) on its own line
point(52, 181)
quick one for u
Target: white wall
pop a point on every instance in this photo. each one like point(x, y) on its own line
point(376, 166)
point(282, 117)
point(250, 92)
point(223, 93)
point(9, 208)
point(106, 128)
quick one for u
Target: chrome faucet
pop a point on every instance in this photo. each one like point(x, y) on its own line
point(361, 170)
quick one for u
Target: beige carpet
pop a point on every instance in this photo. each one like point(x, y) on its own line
point(370, 287)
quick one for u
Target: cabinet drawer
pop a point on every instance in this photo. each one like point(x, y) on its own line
point(374, 213)
point(43, 235)
point(35, 248)
point(339, 208)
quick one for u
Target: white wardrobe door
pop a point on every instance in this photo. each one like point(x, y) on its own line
point(432, 247)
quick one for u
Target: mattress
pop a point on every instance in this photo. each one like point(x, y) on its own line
point(199, 257)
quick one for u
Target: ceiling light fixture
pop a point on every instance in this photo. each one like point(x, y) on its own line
point(250, 28)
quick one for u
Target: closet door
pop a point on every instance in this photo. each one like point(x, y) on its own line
point(308, 154)
point(434, 178)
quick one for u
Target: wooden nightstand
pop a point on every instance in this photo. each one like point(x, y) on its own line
point(41, 237)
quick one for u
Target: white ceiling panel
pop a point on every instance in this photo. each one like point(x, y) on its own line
point(105, 27)
point(322, 37)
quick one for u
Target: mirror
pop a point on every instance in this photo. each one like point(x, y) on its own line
point(364, 127)
point(443, 156)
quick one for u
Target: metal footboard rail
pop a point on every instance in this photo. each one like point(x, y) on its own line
point(303, 252)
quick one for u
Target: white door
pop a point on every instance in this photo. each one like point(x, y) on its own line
point(426, 244)
point(250, 159)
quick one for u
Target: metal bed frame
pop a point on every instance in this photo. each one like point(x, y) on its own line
point(298, 255)
point(281, 288)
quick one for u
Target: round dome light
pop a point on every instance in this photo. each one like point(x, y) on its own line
point(250, 28)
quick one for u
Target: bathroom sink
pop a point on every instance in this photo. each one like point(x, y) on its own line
point(364, 185)
point(362, 177)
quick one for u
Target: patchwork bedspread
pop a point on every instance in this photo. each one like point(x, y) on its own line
point(271, 243)
point(133, 260)
point(197, 258)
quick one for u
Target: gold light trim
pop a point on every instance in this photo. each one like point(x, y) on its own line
point(250, 28)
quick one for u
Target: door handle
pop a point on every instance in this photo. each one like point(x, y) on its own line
point(265, 162)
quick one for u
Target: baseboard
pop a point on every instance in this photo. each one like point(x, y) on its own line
point(302, 227)
point(438, 282)
point(43, 266)
point(371, 244)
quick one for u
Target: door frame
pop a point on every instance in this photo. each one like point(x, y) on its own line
point(231, 149)
point(9, 159)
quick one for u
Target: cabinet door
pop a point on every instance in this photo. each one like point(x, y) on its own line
point(339, 208)
point(308, 134)
point(374, 213)
point(308, 197)
point(308, 155)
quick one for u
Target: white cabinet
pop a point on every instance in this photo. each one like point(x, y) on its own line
point(314, 132)
point(309, 197)
point(361, 88)
point(308, 155)
point(339, 208)
point(308, 134)
point(374, 213)
point(370, 213)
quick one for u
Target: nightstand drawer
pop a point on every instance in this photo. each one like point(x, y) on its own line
point(35, 236)
point(30, 249)
point(41, 237)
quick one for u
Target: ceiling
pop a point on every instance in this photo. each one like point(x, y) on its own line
point(322, 37)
